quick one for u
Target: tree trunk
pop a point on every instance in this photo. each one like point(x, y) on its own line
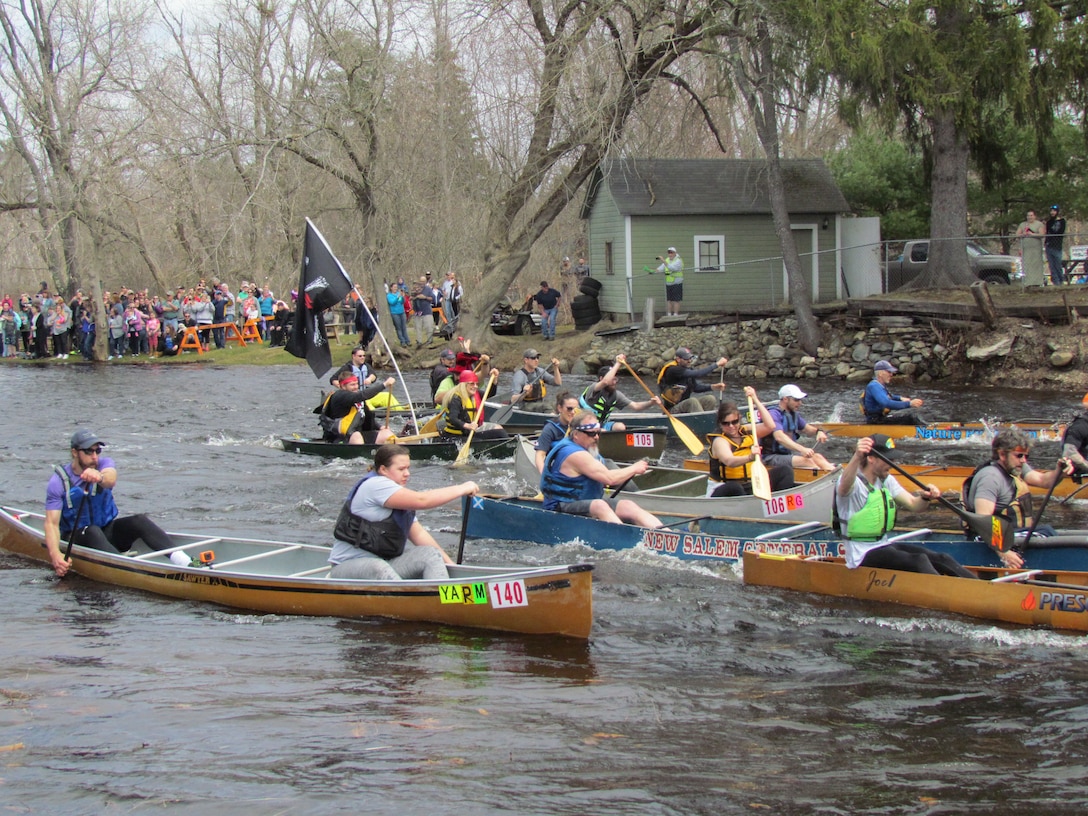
point(947, 266)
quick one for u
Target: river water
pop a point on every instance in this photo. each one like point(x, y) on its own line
point(695, 695)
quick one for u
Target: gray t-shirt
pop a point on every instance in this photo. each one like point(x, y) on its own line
point(369, 503)
point(990, 483)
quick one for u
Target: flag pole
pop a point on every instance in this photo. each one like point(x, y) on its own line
point(389, 351)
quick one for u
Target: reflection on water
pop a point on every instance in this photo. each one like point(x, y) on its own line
point(696, 694)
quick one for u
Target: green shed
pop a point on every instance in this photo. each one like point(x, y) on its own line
point(717, 213)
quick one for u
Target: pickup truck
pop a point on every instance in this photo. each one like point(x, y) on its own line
point(994, 269)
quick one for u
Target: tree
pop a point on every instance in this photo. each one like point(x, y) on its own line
point(941, 69)
point(591, 65)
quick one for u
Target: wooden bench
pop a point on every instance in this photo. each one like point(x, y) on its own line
point(191, 338)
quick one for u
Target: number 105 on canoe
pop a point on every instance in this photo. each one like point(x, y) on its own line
point(501, 594)
point(777, 505)
point(640, 440)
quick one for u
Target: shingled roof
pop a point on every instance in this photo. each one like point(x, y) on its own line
point(714, 186)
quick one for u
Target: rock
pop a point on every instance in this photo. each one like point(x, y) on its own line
point(1000, 348)
point(1060, 359)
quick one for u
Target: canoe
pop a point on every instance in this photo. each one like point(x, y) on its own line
point(947, 478)
point(679, 491)
point(284, 578)
point(1056, 599)
point(522, 421)
point(525, 519)
point(424, 449)
point(724, 538)
point(946, 431)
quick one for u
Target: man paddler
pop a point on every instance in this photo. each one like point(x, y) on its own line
point(881, 406)
point(1000, 487)
point(345, 417)
point(678, 383)
point(574, 478)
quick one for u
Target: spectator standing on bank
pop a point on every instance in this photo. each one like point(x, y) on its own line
point(396, 300)
point(422, 303)
point(672, 266)
point(548, 301)
point(1055, 238)
point(1031, 232)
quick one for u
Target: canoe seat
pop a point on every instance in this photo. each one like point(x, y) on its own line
point(787, 532)
point(921, 531)
point(1016, 576)
point(257, 556)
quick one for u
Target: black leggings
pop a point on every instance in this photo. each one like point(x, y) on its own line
point(121, 533)
point(913, 558)
point(781, 477)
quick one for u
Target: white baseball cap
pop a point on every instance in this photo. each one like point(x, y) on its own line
point(791, 391)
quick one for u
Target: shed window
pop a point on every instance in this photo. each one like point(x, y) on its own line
point(711, 253)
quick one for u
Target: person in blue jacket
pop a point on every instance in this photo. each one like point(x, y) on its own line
point(882, 406)
point(79, 507)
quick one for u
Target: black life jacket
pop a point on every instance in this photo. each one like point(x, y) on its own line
point(386, 539)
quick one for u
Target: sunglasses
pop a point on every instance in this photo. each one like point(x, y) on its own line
point(1019, 454)
point(590, 430)
point(533, 358)
point(95, 449)
point(730, 422)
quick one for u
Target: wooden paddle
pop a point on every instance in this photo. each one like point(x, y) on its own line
point(394, 440)
point(466, 449)
point(431, 425)
point(761, 479)
point(686, 434)
point(1074, 494)
point(1046, 500)
point(994, 530)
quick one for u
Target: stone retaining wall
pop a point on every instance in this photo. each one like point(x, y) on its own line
point(758, 349)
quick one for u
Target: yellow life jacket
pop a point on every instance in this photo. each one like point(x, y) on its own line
point(385, 398)
point(718, 471)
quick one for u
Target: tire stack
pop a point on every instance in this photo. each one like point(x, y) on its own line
point(585, 309)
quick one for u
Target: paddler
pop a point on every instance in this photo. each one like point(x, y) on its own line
point(866, 499)
point(1000, 487)
point(881, 406)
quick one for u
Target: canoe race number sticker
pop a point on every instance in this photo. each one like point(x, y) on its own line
point(640, 440)
point(501, 594)
point(780, 505)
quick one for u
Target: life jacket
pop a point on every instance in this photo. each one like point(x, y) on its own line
point(872, 521)
point(343, 427)
point(537, 390)
point(671, 394)
point(604, 403)
point(789, 425)
point(451, 429)
point(97, 509)
point(718, 471)
point(386, 538)
point(557, 487)
point(1020, 512)
point(382, 400)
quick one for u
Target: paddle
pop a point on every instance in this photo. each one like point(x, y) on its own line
point(1074, 494)
point(503, 414)
point(394, 440)
point(431, 425)
point(466, 450)
point(464, 529)
point(994, 530)
point(686, 434)
point(761, 479)
point(1058, 476)
point(72, 535)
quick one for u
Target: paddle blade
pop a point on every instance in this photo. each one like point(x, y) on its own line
point(994, 530)
point(761, 480)
point(431, 425)
point(465, 452)
point(687, 435)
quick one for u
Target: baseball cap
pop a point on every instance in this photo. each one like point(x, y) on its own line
point(85, 438)
point(531, 354)
point(684, 353)
point(1055, 207)
point(791, 391)
point(885, 445)
point(447, 354)
point(671, 249)
point(468, 377)
point(884, 365)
